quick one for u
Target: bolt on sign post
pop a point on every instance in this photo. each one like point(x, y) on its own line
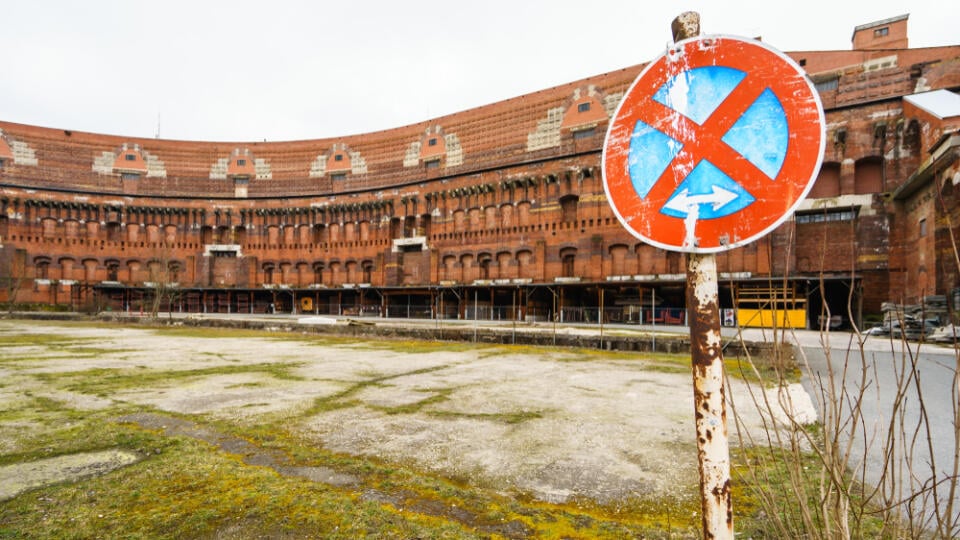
point(714, 145)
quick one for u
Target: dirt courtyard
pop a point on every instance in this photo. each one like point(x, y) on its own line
point(551, 424)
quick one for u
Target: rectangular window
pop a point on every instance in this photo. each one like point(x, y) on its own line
point(432, 164)
point(846, 214)
point(241, 162)
point(131, 157)
point(432, 142)
point(336, 177)
point(129, 176)
point(828, 85)
point(338, 157)
point(583, 134)
point(583, 107)
point(881, 32)
point(923, 227)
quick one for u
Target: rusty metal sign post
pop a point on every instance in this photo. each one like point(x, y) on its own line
point(706, 356)
point(713, 146)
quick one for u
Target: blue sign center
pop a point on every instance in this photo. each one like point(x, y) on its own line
point(760, 135)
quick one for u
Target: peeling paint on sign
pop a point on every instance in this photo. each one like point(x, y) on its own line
point(714, 145)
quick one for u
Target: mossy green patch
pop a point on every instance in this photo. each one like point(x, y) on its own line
point(107, 381)
point(508, 417)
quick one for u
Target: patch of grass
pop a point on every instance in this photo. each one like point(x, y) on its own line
point(186, 488)
point(251, 384)
point(79, 431)
point(190, 491)
point(107, 381)
point(438, 396)
point(770, 480)
point(344, 398)
point(514, 417)
point(44, 346)
point(419, 346)
point(52, 340)
point(217, 332)
point(761, 371)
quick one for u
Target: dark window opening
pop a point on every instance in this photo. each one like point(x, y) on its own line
point(338, 157)
point(923, 227)
point(338, 176)
point(485, 267)
point(432, 142)
point(173, 271)
point(241, 162)
point(879, 131)
point(802, 62)
point(131, 157)
point(568, 208)
point(129, 176)
point(113, 232)
point(432, 164)
point(840, 136)
point(568, 262)
point(583, 107)
point(881, 32)
point(584, 134)
point(845, 214)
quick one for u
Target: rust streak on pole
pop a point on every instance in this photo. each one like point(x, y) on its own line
point(706, 351)
point(709, 396)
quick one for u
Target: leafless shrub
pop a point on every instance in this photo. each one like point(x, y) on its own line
point(879, 463)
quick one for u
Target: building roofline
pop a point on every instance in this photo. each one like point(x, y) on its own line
point(945, 150)
point(882, 22)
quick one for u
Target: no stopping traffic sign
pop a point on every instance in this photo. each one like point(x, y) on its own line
point(714, 145)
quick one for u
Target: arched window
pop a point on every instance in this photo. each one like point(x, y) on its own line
point(367, 268)
point(568, 260)
point(828, 181)
point(42, 267)
point(568, 208)
point(268, 270)
point(113, 270)
point(483, 261)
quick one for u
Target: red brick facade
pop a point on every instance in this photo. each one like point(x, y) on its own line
point(496, 211)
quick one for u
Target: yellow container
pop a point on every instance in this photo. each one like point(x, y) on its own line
point(764, 318)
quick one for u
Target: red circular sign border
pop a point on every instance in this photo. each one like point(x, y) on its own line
point(775, 200)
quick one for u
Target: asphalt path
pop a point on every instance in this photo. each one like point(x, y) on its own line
point(910, 410)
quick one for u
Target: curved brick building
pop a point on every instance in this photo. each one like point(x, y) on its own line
point(497, 211)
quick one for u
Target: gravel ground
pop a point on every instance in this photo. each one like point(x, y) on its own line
point(551, 424)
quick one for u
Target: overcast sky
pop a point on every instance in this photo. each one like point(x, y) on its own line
point(242, 70)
